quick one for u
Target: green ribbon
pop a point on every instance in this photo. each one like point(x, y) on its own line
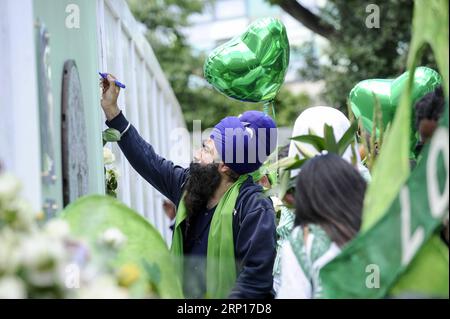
point(220, 261)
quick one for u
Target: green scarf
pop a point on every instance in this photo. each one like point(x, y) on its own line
point(220, 262)
point(264, 170)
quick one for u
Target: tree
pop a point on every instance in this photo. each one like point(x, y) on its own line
point(306, 17)
point(355, 52)
point(183, 67)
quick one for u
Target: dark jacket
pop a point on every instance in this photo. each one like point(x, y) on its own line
point(253, 221)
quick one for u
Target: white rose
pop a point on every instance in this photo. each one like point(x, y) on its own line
point(103, 287)
point(57, 228)
point(9, 187)
point(25, 216)
point(108, 156)
point(113, 238)
point(12, 288)
point(9, 256)
point(43, 259)
point(112, 172)
point(116, 172)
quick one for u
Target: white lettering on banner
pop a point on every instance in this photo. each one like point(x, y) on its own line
point(410, 244)
point(438, 201)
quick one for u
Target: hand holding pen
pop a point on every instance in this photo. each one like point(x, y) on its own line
point(110, 94)
point(105, 75)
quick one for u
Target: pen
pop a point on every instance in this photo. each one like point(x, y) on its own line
point(105, 75)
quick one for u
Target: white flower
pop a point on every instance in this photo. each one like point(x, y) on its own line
point(103, 287)
point(108, 156)
point(113, 172)
point(57, 228)
point(9, 257)
point(9, 187)
point(12, 288)
point(42, 258)
point(113, 238)
point(21, 215)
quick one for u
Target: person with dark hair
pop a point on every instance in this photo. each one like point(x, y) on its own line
point(311, 121)
point(224, 234)
point(428, 109)
point(328, 206)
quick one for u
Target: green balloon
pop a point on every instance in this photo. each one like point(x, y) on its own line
point(251, 67)
point(388, 93)
point(90, 216)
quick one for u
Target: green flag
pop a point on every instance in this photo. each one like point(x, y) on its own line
point(399, 220)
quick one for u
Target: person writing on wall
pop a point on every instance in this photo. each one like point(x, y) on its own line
point(224, 234)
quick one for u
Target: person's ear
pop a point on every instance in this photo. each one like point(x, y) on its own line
point(223, 168)
point(289, 199)
point(264, 182)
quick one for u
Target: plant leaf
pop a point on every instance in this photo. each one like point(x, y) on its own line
point(347, 139)
point(330, 140)
point(316, 141)
point(284, 183)
point(282, 163)
point(111, 135)
point(298, 163)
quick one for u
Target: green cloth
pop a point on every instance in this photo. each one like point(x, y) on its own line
point(262, 171)
point(284, 229)
point(308, 255)
point(392, 167)
point(427, 275)
point(220, 261)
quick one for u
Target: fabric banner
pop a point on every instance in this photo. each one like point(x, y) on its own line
point(400, 225)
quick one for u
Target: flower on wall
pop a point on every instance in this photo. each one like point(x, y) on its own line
point(45, 261)
point(111, 173)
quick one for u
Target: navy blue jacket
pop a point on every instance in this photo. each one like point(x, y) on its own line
point(253, 220)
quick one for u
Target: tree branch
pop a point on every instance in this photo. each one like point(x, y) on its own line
point(307, 18)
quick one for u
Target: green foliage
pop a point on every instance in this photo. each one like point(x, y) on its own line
point(316, 141)
point(357, 52)
point(183, 66)
point(327, 143)
point(111, 182)
point(110, 135)
point(154, 275)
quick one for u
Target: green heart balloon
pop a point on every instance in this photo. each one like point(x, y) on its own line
point(388, 93)
point(251, 67)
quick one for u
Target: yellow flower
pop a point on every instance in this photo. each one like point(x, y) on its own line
point(128, 274)
point(40, 215)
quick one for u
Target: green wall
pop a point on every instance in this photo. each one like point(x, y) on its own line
point(81, 46)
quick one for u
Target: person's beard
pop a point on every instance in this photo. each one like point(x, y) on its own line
point(203, 182)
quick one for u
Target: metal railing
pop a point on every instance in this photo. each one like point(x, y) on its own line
point(148, 102)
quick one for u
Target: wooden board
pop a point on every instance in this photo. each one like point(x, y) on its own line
point(74, 137)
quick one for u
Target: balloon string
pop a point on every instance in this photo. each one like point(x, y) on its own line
point(266, 108)
point(273, 112)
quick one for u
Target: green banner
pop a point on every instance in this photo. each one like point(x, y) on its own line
point(385, 250)
point(397, 242)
